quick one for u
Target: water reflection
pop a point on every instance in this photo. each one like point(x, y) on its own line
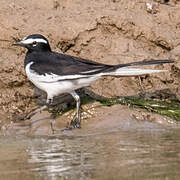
point(61, 157)
point(138, 151)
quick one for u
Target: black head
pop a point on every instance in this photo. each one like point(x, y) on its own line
point(34, 42)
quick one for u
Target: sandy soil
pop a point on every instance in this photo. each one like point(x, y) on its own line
point(107, 31)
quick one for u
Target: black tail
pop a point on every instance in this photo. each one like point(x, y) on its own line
point(145, 62)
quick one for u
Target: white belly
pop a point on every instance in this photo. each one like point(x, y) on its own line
point(54, 87)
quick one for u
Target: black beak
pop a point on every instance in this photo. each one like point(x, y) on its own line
point(18, 43)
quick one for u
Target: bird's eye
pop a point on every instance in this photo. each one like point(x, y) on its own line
point(34, 43)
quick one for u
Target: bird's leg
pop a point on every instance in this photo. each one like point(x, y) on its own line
point(76, 121)
point(34, 112)
point(140, 83)
point(52, 120)
point(30, 115)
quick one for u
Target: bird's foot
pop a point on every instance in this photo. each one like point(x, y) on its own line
point(33, 113)
point(75, 123)
point(25, 118)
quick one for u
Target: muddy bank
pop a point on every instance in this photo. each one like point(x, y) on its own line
point(110, 32)
point(95, 119)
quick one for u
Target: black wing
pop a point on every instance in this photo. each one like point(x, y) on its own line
point(62, 64)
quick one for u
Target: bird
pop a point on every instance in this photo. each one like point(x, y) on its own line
point(59, 73)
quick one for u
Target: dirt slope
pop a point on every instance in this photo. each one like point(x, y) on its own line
point(108, 31)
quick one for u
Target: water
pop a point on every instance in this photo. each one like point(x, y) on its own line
point(136, 150)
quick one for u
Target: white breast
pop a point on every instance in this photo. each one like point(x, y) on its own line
point(54, 84)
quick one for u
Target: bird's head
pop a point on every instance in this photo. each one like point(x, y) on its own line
point(34, 42)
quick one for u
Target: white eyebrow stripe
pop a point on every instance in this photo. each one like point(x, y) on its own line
point(31, 40)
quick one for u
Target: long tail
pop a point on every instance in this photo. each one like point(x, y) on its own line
point(146, 62)
point(123, 70)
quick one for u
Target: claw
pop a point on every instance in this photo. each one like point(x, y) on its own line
point(24, 118)
point(75, 123)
